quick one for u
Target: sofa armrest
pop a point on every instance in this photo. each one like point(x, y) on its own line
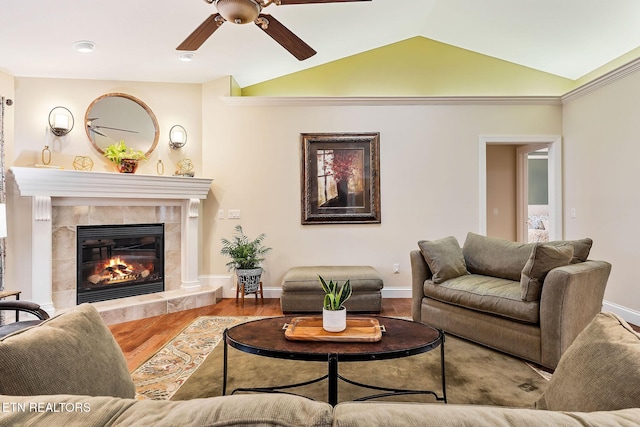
point(571, 297)
point(419, 273)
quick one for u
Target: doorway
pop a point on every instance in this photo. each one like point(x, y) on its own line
point(524, 146)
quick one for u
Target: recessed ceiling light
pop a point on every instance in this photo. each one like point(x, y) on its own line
point(84, 46)
point(186, 57)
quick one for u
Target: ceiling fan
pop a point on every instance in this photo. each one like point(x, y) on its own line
point(246, 11)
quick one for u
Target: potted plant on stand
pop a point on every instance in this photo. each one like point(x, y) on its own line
point(334, 313)
point(246, 258)
point(125, 158)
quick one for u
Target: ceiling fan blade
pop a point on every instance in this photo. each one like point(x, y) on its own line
point(285, 2)
point(285, 37)
point(202, 33)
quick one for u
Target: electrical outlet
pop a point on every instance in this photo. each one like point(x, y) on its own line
point(396, 268)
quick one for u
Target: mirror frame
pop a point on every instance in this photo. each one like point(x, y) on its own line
point(131, 98)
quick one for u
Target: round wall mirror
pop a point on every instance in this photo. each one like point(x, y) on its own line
point(117, 116)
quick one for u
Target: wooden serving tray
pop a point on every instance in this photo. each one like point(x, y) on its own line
point(309, 328)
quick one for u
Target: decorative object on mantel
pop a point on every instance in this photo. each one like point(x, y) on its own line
point(45, 156)
point(185, 168)
point(246, 257)
point(334, 313)
point(125, 158)
point(177, 137)
point(83, 163)
point(60, 121)
point(160, 167)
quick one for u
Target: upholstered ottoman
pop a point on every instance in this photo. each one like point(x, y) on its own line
point(302, 292)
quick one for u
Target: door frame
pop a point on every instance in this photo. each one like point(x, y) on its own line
point(554, 142)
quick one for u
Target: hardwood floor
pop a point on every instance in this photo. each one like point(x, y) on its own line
point(140, 339)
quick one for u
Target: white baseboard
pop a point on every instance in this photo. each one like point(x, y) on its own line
point(631, 316)
point(396, 293)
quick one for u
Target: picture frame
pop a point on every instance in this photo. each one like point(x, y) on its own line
point(340, 179)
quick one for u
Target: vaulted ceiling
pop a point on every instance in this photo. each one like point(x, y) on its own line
point(137, 39)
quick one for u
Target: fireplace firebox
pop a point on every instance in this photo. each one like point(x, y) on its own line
point(118, 261)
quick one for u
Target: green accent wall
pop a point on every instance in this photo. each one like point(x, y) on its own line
point(415, 67)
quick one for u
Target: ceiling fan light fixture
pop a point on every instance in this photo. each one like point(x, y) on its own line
point(239, 11)
point(186, 57)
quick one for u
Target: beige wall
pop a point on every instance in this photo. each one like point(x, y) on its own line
point(172, 104)
point(501, 191)
point(429, 168)
point(601, 178)
point(429, 177)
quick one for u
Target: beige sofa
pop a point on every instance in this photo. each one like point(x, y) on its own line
point(529, 300)
point(70, 372)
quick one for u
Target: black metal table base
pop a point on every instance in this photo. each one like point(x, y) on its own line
point(333, 377)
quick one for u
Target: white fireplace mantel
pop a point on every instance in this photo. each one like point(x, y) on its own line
point(32, 192)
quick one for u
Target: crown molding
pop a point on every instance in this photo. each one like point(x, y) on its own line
point(321, 101)
point(604, 80)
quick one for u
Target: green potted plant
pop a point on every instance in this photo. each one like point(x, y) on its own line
point(125, 158)
point(334, 313)
point(246, 258)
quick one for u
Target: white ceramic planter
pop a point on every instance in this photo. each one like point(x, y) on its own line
point(334, 320)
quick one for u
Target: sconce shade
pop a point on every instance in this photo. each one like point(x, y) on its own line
point(60, 121)
point(3, 220)
point(177, 137)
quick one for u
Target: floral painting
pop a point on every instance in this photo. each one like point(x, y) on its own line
point(341, 182)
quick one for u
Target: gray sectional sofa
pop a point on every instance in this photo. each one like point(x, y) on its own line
point(529, 300)
point(69, 371)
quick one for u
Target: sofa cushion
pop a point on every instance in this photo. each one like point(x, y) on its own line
point(374, 414)
point(495, 257)
point(600, 371)
point(485, 294)
point(543, 259)
point(71, 353)
point(581, 248)
point(238, 410)
point(444, 258)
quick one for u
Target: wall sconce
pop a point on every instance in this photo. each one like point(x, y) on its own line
point(60, 121)
point(177, 137)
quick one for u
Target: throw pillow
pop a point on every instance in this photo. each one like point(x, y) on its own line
point(600, 371)
point(543, 259)
point(71, 353)
point(444, 258)
point(490, 256)
point(581, 248)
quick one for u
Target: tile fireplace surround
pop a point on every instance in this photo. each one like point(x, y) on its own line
point(45, 206)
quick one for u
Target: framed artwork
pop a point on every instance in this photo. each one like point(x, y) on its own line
point(340, 178)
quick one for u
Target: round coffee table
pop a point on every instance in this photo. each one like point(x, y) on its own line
point(265, 337)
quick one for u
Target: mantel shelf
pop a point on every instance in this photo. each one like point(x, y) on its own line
point(33, 182)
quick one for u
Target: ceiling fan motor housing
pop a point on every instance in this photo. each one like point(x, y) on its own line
point(238, 11)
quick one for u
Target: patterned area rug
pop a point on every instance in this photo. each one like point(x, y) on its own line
point(475, 374)
point(163, 374)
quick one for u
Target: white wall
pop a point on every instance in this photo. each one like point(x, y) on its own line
point(172, 103)
point(429, 172)
point(601, 180)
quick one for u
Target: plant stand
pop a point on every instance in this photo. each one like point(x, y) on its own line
point(240, 290)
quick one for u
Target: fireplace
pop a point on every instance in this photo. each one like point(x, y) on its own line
point(118, 261)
